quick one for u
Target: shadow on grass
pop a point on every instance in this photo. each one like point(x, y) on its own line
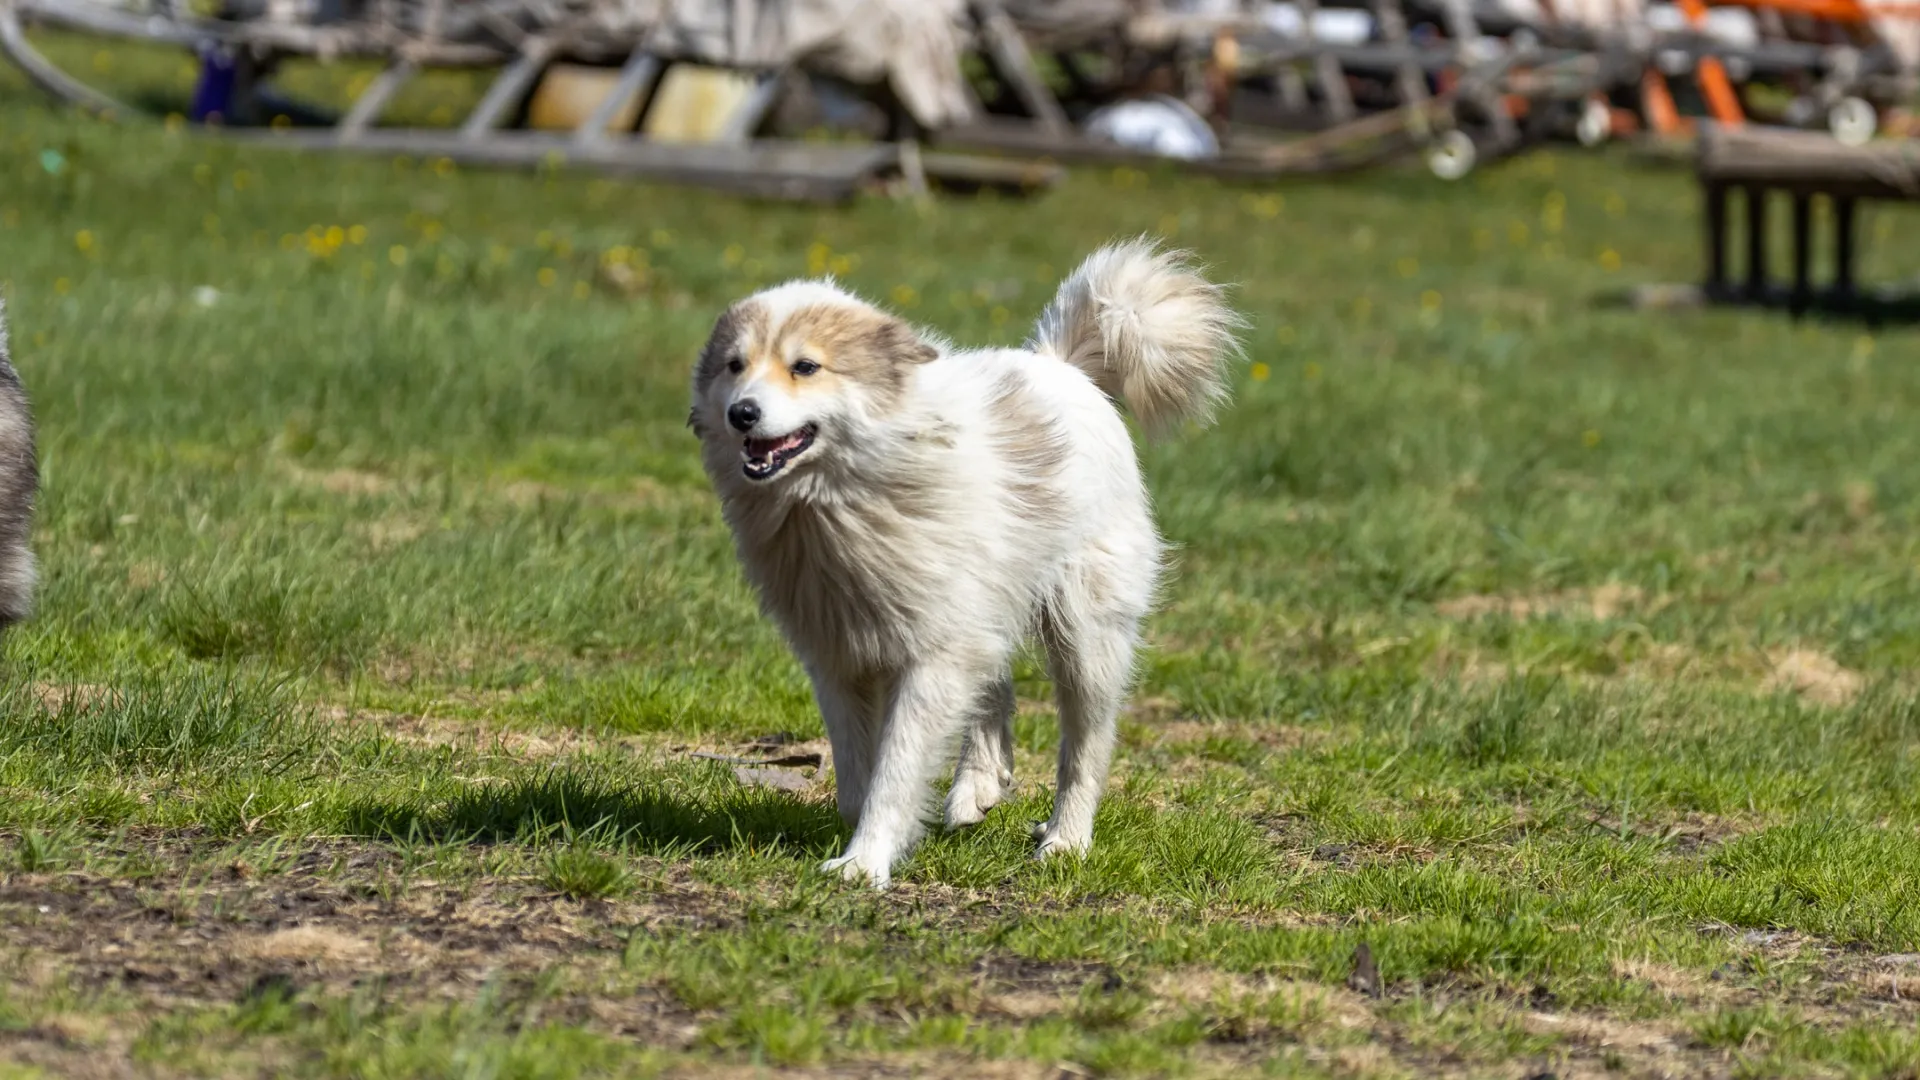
point(258, 615)
point(575, 802)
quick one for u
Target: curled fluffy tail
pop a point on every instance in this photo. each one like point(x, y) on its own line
point(1147, 329)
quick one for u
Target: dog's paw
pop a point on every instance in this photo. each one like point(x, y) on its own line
point(856, 868)
point(1050, 842)
point(972, 795)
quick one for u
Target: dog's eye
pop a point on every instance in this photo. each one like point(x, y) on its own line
point(736, 365)
point(805, 367)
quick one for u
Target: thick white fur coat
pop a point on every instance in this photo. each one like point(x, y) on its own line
point(930, 509)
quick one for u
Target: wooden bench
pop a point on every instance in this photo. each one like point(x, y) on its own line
point(1803, 166)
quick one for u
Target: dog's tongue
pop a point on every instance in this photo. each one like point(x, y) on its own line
point(763, 448)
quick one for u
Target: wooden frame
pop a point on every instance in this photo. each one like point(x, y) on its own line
point(738, 160)
point(1483, 83)
point(1804, 167)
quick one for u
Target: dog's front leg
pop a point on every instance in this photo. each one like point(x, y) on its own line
point(851, 716)
point(924, 712)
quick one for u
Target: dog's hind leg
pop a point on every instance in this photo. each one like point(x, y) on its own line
point(851, 714)
point(985, 773)
point(1091, 658)
point(925, 711)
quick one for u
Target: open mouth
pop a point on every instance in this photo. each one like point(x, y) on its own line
point(762, 458)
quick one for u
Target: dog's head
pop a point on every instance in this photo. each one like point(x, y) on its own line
point(795, 371)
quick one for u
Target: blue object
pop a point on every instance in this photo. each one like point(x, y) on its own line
point(213, 96)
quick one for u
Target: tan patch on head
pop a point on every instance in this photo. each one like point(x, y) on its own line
point(849, 341)
point(1814, 676)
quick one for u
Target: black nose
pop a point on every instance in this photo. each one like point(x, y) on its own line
point(743, 414)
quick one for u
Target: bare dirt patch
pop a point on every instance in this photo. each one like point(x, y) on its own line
point(773, 761)
point(340, 481)
point(1691, 833)
point(338, 916)
point(317, 945)
point(56, 696)
point(385, 534)
point(1601, 1034)
point(1604, 602)
point(644, 492)
point(1813, 676)
point(333, 918)
point(1663, 661)
point(1178, 734)
point(480, 736)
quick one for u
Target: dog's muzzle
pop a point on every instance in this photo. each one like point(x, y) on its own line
point(761, 459)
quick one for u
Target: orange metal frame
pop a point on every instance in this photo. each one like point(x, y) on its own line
point(1722, 100)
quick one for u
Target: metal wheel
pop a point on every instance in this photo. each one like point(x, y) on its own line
point(1853, 121)
point(1452, 156)
point(1595, 125)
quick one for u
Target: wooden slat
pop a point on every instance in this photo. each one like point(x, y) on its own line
point(1409, 78)
point(769, 168)
point(1802, 248)
point(1327, 72)
point(969, 170)
point(1010, 55)
point(1843, 246)
point(340, 41)
point(747, 117)
point(1464, 30)
point(1716, 215)
point(1292, 89)
point(1756, 241)
point(1032, 140)
point(374, 100)
point(636, 78)
point(508, 88)
point(1302, 152)
point(1812, 161)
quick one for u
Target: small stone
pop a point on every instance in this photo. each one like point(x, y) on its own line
point(778, 779)
point(1366, 974)
point(1333, 853)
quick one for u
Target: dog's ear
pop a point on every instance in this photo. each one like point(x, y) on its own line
point(899, 341)
point(728, 334)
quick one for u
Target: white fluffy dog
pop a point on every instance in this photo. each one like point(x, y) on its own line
point(910, 513)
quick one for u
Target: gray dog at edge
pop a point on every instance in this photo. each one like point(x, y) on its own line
point(19, 483)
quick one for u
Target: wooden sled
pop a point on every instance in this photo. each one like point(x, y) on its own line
point(606, 139)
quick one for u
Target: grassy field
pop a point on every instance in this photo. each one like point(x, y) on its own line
point(1558, 655)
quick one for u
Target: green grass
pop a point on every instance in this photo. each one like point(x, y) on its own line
point(1558, 653)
